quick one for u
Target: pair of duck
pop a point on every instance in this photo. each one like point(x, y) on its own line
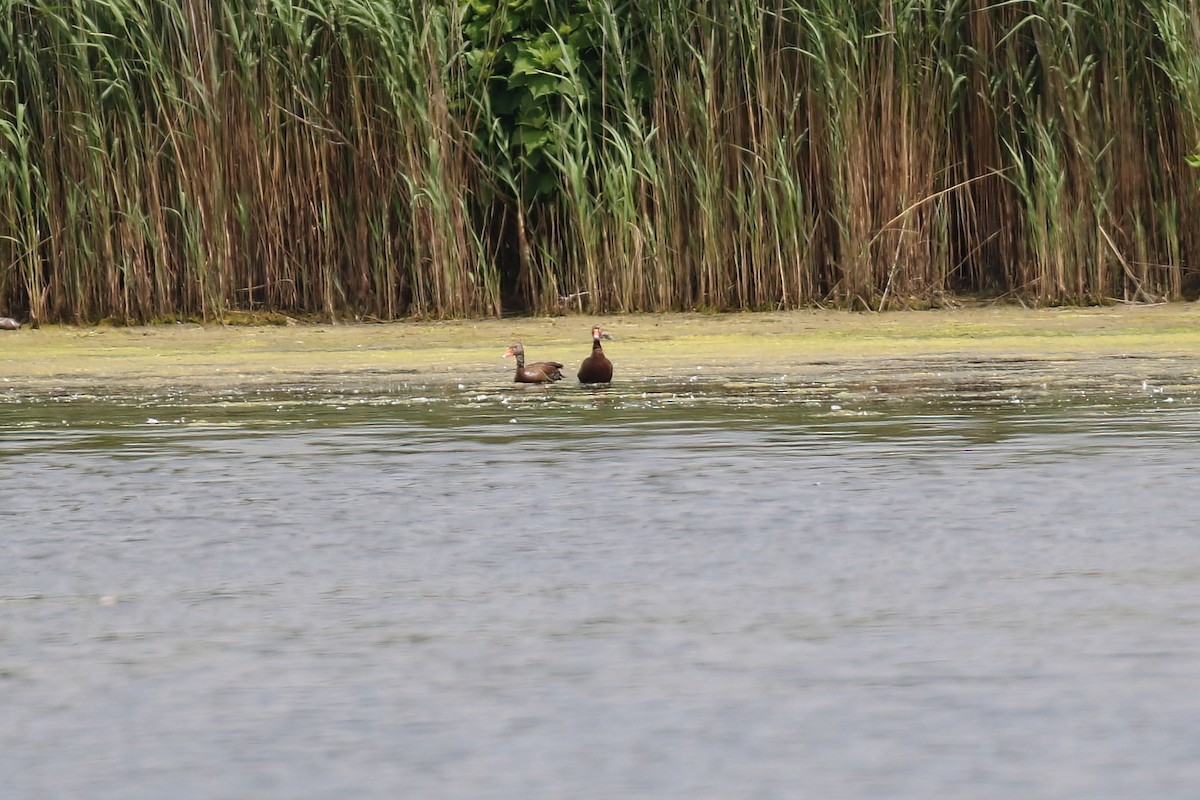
point(596, 368)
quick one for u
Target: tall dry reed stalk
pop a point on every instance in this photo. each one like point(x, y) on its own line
point(390, 158)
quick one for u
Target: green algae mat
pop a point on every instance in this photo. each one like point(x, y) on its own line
point(897, 351)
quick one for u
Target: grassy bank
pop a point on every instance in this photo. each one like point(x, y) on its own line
point(798, 346)
point(379, 159)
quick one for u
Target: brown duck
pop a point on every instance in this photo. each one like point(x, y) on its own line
point(538, 372)
point(596, 368)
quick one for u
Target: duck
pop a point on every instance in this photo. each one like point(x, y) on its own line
point(596, 368)
point(9, 324)
point(538, 372)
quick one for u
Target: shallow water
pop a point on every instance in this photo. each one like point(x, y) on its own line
point(704, 589)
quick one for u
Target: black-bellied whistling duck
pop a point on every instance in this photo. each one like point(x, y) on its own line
point(538, 372)
point(596, 368)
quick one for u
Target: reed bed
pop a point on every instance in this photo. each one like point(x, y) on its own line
point(392, 158)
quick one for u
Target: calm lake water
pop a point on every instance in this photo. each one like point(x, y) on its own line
point(695, 591)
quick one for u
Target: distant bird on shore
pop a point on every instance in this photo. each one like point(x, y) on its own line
point(537, 372)
point(596, 368)
point(9, 324)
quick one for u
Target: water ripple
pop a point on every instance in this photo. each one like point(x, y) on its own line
point(659, 592)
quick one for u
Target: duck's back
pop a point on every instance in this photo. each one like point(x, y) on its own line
point(540, 372)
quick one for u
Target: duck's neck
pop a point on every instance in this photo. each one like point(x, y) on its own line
point(520, 361)
point(596, 344)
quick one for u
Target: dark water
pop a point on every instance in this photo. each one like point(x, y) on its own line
point(718, 592)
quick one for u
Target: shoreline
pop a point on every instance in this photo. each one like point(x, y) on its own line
point(801, 346)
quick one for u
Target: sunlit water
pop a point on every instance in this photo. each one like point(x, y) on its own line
point(650, 592)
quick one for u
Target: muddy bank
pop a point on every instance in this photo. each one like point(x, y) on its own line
point(897, 352)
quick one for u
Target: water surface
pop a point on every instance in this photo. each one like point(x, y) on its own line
point(688, 589)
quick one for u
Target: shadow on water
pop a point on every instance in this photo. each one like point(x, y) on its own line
point(972, 411)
